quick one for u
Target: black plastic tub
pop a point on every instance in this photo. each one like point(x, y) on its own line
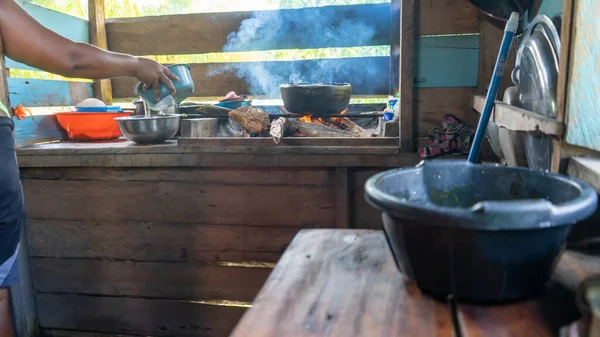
point(483, 234)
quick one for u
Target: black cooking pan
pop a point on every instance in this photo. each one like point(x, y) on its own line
point(501, 9)
point(316, 99)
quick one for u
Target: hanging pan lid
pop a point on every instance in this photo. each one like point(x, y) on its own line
point(536, 70)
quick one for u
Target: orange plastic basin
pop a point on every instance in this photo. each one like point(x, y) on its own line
point(91, 125)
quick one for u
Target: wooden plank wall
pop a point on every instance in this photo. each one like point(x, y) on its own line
point(171, 251)
point(44, 93)
point(446, 52)
point(582, 116)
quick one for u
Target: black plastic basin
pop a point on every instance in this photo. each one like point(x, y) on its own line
point(480, 233)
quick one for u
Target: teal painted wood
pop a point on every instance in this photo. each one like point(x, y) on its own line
point(447, 61)
point(72, 28)
point(34, 93)
point(37, 129)
point(583, 123)
point(551, 8)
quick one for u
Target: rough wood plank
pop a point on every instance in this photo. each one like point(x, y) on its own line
point(521, 319)
point(437, 17)
point(70, 333)
point(210, 30)
point(328, 157)
point(433, 103)
point(37, 129)
point(518, 119)
point(583, 117)
point(221, 175)
point(179, 281)
point(446, 61)
point(540, 317)
point(102, 88)
point(341, 283)
point(22, 303)
point(173, 201)
point(574, 267)
point(342, 212)
point(156, 241)
point(34, 93)
point(4, 95)
point(364, 216)
point(294, 141)
point(585, 169)
point(126, 154)
point(136, 316)
point(563, 75)
point(407, 55)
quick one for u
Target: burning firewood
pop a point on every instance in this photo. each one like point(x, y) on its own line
point(286, 127)
point(253, 120)
point(354, 128)
point(281, 127)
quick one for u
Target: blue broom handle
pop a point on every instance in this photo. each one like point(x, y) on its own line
point(509, 33)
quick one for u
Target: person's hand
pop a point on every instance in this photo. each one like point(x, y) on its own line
point(152, 73)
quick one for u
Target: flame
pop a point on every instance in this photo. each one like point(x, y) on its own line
point(309, 119)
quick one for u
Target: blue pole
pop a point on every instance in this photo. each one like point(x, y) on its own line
point(509, 33)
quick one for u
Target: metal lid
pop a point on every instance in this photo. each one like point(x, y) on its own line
point(536, 75)
point(536, 70)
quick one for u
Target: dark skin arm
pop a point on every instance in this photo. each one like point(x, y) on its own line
point(25, 40)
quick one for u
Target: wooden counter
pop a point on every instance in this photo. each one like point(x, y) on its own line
point(345, 283)
point(177, 239)
point(244, 152)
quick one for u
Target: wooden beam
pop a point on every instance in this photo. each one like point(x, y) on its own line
point(3, 84)
point(342, 198)
point(407, 54)
point(563, 76)
point(518, 119)
point(102, 88)
point(23, 307)
point(585, 169)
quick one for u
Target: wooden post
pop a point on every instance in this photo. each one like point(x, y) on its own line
point(563, 79)
point(102, 88)
point(342, 202)
point(4, 84)
point(407, 53)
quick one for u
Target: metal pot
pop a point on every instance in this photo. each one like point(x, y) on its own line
point(501, 9)
point(149, 130)
point(316, 99)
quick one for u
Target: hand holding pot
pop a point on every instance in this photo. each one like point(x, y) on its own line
point(152, 74)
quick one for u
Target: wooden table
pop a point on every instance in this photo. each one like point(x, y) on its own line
point(345, 283)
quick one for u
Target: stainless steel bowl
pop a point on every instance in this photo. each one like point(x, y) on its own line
point(149, 130)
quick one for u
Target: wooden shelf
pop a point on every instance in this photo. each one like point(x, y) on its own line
point(585, 169)
point(518, 119)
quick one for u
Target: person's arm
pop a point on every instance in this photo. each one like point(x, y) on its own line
point(25, 40)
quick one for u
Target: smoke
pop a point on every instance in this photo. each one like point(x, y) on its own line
point(295, 29)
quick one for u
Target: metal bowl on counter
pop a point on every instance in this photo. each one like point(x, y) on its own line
point(149, 130)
